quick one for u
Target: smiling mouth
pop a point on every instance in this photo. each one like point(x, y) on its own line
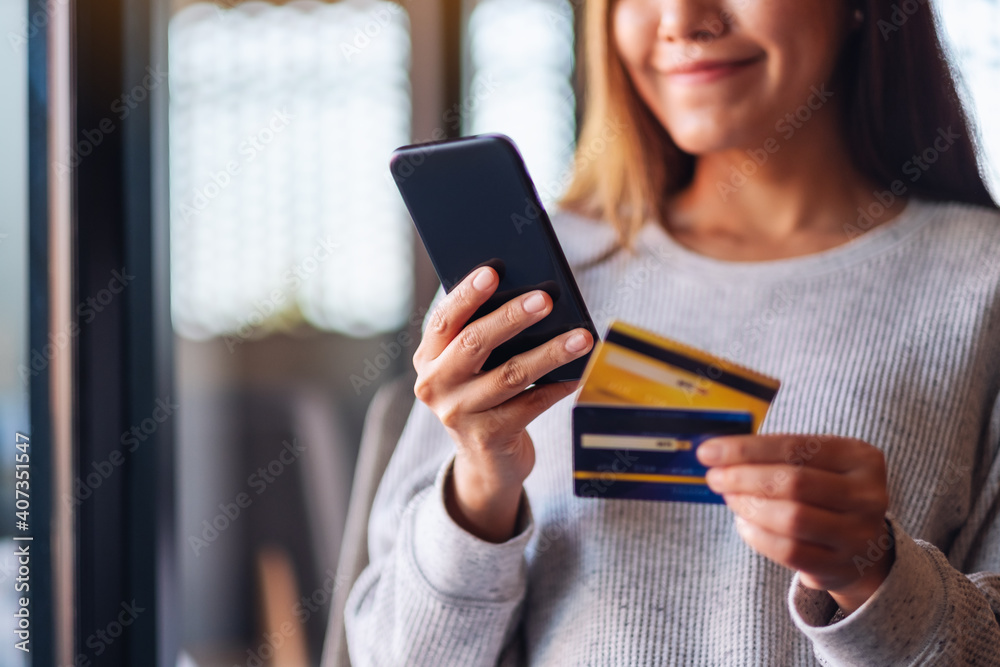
point(705, 71)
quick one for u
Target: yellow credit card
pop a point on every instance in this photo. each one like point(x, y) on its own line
point(632, 366)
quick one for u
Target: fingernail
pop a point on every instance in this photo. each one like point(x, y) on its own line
point(741, 523)
point(709, 453)
point(534, 303)
point(576, 342)
point(483, 280)
point(713, 478)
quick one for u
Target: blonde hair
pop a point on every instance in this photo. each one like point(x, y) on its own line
point(626, 165)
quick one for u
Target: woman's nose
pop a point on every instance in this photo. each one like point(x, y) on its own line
point(692, 20)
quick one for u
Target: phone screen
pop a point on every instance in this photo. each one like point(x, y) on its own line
point(473, 203)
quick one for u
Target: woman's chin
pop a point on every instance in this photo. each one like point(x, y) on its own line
point(700, 137)
point(703, 145)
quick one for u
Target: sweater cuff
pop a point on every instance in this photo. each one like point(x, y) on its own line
point(892, 627)
point(458, 564)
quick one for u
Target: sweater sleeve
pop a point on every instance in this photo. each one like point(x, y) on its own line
point(933, 608)
point(433, 594)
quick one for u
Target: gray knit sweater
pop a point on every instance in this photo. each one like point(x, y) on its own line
point(892, 337)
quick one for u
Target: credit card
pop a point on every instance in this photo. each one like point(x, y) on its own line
point(645, 404)
point(632, 366)
point(646, 453)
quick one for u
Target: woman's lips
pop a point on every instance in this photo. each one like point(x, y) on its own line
point(706, 71)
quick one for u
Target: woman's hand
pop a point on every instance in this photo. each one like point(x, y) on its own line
point(813, 503)
point(486, 412)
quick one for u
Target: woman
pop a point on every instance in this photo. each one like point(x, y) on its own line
point(795, 189)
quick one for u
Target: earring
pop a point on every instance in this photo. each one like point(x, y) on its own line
point(859, 16)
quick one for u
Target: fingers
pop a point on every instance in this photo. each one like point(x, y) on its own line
point(494, 387)
point(523, 408)
point(795, 539)
point(833, 453)
point(796, 521)
point(470, 348)
point(812, 486)
point(454, 311)
point(512, 416)
point(792, 553)
point(808, 502)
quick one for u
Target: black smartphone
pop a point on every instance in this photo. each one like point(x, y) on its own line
point(473, 204)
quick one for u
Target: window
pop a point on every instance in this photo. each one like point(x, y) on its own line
point(282, 120)
point(521, 64)
point(972, 31)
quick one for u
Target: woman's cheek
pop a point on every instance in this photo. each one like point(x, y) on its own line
point(634, 31)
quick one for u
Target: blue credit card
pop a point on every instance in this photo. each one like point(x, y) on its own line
point(647, 453)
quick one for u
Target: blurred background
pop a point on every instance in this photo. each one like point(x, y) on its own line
point(313, 217)
point(294, 264)
point(294, 267)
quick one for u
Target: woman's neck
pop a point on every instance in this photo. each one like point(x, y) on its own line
point(788, 196)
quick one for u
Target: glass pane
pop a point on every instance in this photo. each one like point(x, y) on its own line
point(15, 359)
point(521, 61)
point(972, 28)
point(280, 128)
